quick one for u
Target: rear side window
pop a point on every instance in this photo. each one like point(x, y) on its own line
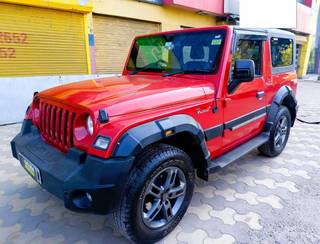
point(281, 52)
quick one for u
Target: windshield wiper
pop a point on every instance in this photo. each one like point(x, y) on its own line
point(141, 70)
point(174, 73)
point(187, 72)
point(205, 71)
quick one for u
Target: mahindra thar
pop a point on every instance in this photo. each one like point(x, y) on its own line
point(189, 102)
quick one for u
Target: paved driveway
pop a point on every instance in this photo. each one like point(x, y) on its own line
point(256, 200)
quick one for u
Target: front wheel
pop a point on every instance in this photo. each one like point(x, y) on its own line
point(279, 134)
point(157, 195)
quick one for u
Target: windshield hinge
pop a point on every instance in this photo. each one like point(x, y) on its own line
point(215, 108)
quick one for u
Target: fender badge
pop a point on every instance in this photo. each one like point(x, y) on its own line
point(202, 111)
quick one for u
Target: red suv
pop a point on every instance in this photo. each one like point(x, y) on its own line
point(188, 102)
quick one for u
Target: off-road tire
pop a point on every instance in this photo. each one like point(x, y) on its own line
point(128, 218)
point(269, 149)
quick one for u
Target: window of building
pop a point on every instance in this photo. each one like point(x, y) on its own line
point(281, 52)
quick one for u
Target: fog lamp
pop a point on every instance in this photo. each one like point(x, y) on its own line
point(102, 143)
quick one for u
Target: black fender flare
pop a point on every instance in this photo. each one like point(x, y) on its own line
point(137, 138)
point(285, 92)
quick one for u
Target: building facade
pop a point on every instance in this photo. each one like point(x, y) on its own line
point(115, 23)
point(317, 48)
point(42, 44)
point(307, 14)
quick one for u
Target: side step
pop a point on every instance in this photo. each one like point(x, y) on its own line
point(228, 158)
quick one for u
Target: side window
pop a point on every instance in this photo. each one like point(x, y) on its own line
point(249, 49)
point(281, 52)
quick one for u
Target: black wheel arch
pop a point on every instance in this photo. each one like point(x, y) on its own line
point(285, 97)
point(185, 133)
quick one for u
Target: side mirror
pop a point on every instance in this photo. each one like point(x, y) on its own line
point(243, 71)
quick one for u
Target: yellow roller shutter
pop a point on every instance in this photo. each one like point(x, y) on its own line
point(38, 41)
point(113, 37)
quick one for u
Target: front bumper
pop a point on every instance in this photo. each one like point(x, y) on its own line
point(85, 183)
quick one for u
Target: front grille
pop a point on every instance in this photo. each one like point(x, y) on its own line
point(56, 125)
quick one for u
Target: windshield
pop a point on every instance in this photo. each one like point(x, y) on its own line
point(188, 52)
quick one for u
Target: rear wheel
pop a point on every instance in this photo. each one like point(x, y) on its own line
point(279, 134)
point(157, 195)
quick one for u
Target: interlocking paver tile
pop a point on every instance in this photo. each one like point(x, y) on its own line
point(207, 191)
point(226, 215)
point(201, 211)
point(251, 219)
point(225, 239)
point(228, 194)
point(195, 237)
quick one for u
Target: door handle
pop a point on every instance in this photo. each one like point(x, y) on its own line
point(260, 94)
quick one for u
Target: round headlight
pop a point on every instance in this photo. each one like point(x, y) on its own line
point(90, 125)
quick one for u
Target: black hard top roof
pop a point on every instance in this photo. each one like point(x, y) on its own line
point(270, 32)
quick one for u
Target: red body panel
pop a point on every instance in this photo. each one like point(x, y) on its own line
point(137, 99)
point(242, 102)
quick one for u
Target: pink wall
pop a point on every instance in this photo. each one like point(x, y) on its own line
point(212, 6)
point(308, 3)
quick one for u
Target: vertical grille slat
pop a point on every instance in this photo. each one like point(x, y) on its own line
point(44, 118)
point(56, 125)
point(47, 119)
point(62, 131)
point(68, 134)
point(72, 127)
point(65, 129)
point(60, 123)
point(52, 121)
point(41, 116)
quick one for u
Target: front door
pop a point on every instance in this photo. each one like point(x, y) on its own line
point(245, 106)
